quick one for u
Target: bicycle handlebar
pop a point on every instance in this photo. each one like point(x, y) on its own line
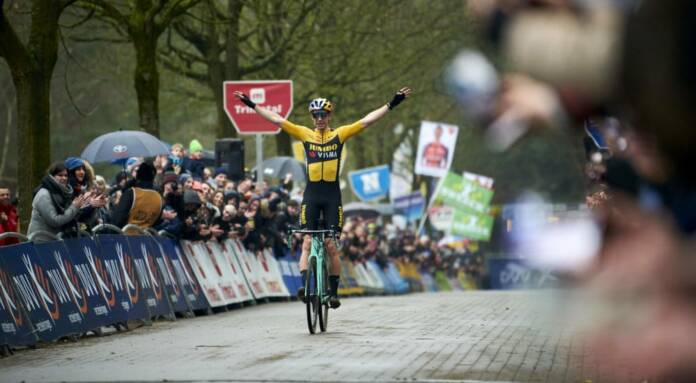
point(334, 234)
point(305, 231)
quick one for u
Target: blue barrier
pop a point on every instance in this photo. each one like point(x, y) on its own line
point(148, 276)
point(400, 284)
point(190, 290)
point(172, 290)
point(32, 290)
point(115, 268)
point(372, 267)
point(81, 269)
point(16, 327)
point(62, 288)
point(63, 305)
point(290, 268)
point(428, 282)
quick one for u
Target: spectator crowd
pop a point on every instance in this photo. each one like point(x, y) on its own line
point(178, 196)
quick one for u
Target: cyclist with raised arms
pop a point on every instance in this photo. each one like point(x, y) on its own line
point(323, 146)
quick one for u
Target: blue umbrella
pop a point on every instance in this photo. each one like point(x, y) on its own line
point(115, 146)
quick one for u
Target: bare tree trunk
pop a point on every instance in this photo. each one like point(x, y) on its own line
point(216, 76)
point(34, 138)
point(31, 66)
point(6, 141)
point(147, 79)
point(231, 67)
point(224, 127)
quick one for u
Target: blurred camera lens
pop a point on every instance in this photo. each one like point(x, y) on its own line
point(473, 81)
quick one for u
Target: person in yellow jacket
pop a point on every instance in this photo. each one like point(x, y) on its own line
point(323, 146)
point(140, 204)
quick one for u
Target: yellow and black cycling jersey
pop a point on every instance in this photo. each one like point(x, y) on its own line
point(322, 149)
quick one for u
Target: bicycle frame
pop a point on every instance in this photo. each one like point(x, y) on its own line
point(317, 298)
point(318, 252)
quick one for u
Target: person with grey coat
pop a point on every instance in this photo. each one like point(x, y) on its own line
point(53, 209)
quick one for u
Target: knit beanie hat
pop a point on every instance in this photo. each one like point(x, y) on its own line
point(169, 177)
point(146, 172)
point(195, 146)
point(191, 196)
point(73, 163)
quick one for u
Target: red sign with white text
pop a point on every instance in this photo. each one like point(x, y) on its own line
point(275, 95)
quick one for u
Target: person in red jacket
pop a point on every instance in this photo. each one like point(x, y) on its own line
point(8, 216)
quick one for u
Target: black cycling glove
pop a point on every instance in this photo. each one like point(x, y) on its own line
point(398, 97)
point(245, 99)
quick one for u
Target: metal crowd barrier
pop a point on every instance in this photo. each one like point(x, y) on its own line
point(73, 286)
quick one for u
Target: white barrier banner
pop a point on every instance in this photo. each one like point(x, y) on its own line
point(365, 279)
point(223, 272)
point(227, 254)
point(373, 275)
point(271, 275)
point(360, 276)
point(199, 261)
point(250, 268)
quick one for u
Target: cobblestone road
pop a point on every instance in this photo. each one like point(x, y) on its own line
point(457, 336)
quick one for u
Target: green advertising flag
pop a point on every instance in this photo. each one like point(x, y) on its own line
point(462, 194)
point(472, 226)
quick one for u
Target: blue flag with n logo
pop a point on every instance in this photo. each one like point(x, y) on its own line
point(370, 184)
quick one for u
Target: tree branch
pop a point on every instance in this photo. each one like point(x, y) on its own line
point(283, 44)
point(66, 3)
point(174, 11)
point(11, 47)
point(189, 58)
point(89, 15)
point(109, 11)
point(98, 40)
point(152, 12)
point(188, 93)
point(193, 75)
point(65, 79)
point(198, 40)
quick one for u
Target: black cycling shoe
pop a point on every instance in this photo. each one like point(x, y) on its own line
point(301, 295)
point(334, 302)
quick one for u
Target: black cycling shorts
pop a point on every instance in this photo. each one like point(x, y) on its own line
point(328, 204)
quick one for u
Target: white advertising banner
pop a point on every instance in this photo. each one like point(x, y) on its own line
point(215, 272)
point(238, 275)
point(250, 267)
point(228, 274)
point(272, 275)
point(199, 261)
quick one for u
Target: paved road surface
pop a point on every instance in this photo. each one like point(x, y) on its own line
point(457, 336)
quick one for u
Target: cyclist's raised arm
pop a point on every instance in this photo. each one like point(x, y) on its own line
point(382, 111)
point(265, 113)
point(296, 131)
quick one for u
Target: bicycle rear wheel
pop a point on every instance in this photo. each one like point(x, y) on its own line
point(324, 307)
point(312, 296)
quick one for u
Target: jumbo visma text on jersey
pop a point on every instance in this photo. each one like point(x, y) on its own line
point(322, 149)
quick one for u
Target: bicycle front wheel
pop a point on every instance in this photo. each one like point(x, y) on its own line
point(312, 296)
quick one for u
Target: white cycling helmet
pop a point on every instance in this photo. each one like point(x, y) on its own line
point(320, 104)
